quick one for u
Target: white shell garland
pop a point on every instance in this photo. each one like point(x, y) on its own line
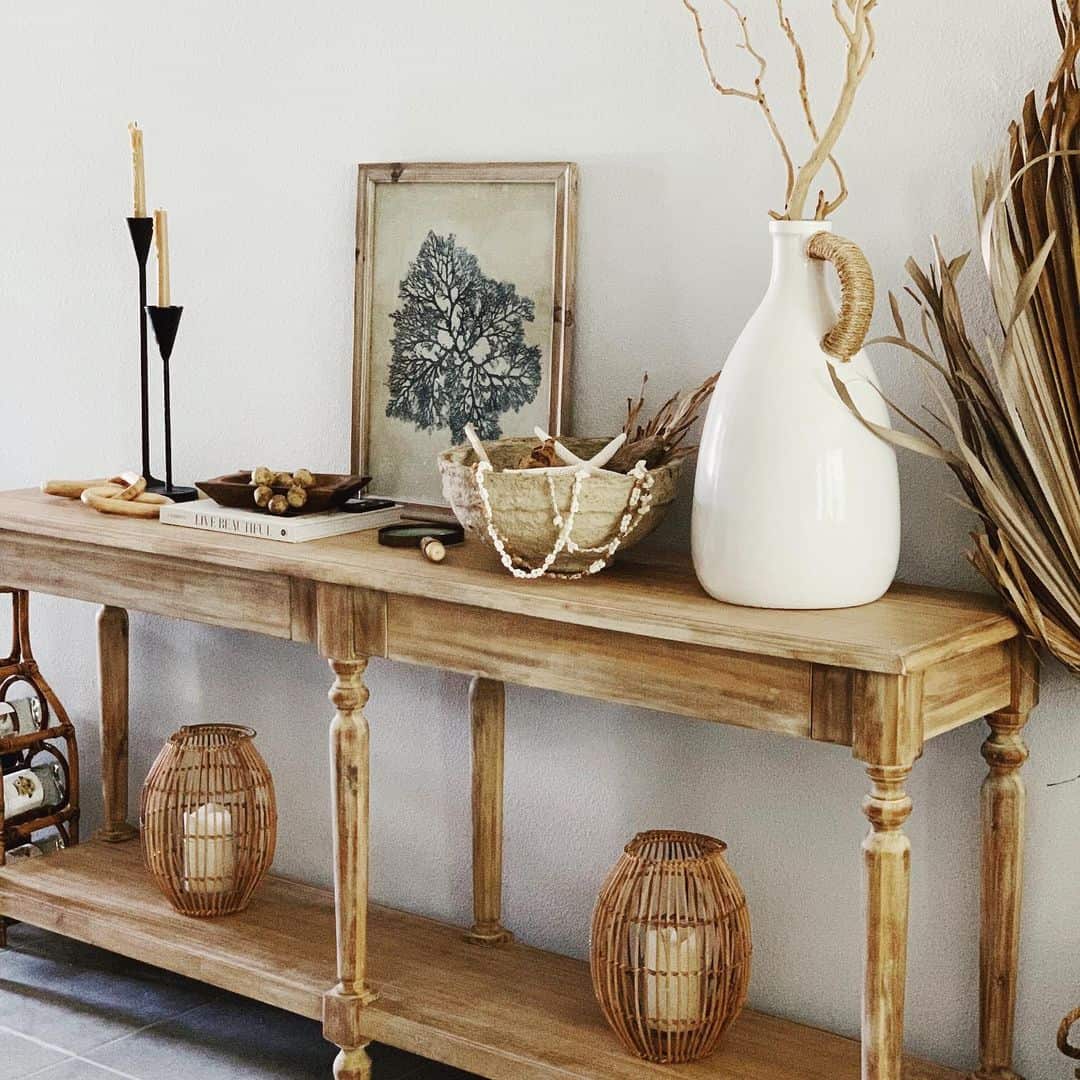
point(638, 504)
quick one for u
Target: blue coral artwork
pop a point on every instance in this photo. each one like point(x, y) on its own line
point(459, 351)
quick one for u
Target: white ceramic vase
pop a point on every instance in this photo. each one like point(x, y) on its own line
point(796, 503)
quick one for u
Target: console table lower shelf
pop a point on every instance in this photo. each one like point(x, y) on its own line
point(513, 1013)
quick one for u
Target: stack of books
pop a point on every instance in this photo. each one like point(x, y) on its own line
point(207, 514)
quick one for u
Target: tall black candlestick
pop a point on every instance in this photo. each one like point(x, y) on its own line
point(142, 234)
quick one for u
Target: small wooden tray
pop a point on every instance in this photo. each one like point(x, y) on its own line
point(330, 491)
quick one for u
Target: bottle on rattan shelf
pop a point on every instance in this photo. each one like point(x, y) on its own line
point(670, 946)
point(209, 819)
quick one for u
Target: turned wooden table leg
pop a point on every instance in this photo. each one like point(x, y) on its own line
point(887, 713)
point(343, 1005)
point(487, 708)
point(886, 873)
point(1003, 802)
point(112, 626)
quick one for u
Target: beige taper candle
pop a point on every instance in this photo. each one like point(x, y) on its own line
point(161, 237)
point(138, 169)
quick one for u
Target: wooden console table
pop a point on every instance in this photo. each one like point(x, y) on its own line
point(882, 680)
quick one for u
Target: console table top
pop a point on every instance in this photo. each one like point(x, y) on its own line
point(908, 630)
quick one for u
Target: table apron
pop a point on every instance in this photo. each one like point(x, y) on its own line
point(724, 686)
point(221, 596)
point(720, 685)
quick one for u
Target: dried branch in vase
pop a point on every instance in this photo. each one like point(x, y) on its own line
point(660, 440)
point(1014, 412)
point(853, 18)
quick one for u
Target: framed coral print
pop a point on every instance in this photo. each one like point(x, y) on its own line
point(464, 312)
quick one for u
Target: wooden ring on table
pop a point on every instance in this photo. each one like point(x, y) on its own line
point(68, 489)
point(105, 499)
point(131, 483)
point(111, 491)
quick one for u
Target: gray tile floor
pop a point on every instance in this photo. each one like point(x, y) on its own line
point(72, 1012)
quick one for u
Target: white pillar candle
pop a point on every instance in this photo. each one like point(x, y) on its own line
point(138, 169)
point(673, 963)
point(161, 238)
point(209, 850)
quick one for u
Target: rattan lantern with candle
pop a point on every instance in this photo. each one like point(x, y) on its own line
point(670, 947)
point(209, 819)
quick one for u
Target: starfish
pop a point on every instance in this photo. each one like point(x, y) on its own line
point(592, 467)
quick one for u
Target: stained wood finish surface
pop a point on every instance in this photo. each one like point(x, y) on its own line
point(975, 684)
point(1003, 803)
point(487, 713)
point(349, 741)
point(112, 625)
point(513, 1013)
point(763, 692)
point(908, 630)
point(221, 595)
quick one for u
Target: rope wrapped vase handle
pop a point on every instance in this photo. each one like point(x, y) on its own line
point(1063, 1037)
point(846, 338)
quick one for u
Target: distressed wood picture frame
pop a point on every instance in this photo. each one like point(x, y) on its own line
point(504, 235)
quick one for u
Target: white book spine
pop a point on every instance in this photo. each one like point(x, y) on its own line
point(216, 521)
point(288, 530)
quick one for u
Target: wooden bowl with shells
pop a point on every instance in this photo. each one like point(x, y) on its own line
point(568, 506)
point(553, 520)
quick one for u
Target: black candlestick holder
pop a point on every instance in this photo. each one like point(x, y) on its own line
point(142, 235)
point(166, 321)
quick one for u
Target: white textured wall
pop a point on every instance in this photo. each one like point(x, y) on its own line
point(256, 115)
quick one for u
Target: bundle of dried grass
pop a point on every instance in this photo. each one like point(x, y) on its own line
point(660, 440)
point(1014, 412)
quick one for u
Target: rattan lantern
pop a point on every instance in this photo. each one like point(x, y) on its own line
point(670, 948)
point(209, 819)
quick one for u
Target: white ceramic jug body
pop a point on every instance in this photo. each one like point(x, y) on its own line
point(796, 504)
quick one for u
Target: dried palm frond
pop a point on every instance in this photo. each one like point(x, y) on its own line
point(660, 439)
point(1014, 412)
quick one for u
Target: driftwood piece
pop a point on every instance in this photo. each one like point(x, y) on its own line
point(541, 456)
point(650, 450)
